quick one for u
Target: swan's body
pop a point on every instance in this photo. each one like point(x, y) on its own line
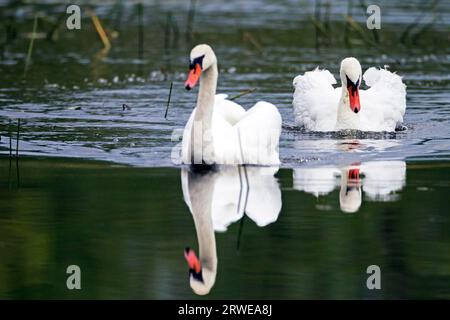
point(220, 131)
point(318, 106)
point(218, 198)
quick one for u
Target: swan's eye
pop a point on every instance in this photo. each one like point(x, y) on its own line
point(198, 60)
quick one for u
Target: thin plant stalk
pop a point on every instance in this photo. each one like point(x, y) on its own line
point(17, 152)
point(31, 45)
point(168, 100)
point(243, 93)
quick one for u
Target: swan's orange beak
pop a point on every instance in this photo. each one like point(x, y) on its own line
point(192, 260)
point(193, 77)
point(353, 93)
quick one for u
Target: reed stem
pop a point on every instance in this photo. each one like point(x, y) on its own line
point(168, 100)
point(30, 46)
point(243, 93)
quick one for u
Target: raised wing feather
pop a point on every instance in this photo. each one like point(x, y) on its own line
point(383, 105)
point(315, 100)
point(229, 110)
point(259, 134)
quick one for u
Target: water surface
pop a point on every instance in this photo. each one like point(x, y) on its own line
point(127, 229)
point(95, 184)
point(71, 99)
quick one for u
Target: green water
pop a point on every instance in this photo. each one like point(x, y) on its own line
point(126, 228)
point(70, 100)
point(125, 221)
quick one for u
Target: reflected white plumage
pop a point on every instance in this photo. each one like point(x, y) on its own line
point(220, 131)
point(318, 106)
point(380, 181)
point(219, 198)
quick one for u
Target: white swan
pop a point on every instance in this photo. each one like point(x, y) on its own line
point(220, 131)
point(318, 106)
point(380, 181)
point(218, 198)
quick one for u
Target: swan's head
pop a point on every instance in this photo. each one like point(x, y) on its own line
point(350, 196)
point(202, 57)
point(351, 76)
point(201, 279)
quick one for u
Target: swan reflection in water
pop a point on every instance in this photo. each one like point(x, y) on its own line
point(218, 198)
point(379, 180)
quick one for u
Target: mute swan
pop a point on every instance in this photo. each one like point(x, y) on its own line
point(380, 180)
point(220, 131)
point(318, 106)
point(218, 198)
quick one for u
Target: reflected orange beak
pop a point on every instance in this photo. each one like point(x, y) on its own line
point(192, 260)
point(353, 94)
point(353, 174)
point(193, 77)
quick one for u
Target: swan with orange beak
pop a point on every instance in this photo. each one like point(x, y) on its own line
point(319, 106)
point(220, 131)
point(349, 105)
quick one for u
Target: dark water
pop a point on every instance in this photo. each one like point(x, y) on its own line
point(347, 201)
point(127, 228)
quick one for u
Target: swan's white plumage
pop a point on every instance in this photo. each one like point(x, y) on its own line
point(240, 136)
point(220, 131)
point(316, 101)
point(233, 195)
point(229, 110)
point(384, 102)
point(317, 181)
point(380, 180)
point(220, 197)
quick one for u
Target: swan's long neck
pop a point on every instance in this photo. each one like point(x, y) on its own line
point(202, 134)
point(346, 118)
point(201, 190)
point(206, 241)
point(350, 196)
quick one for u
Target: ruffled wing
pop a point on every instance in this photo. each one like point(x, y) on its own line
point(316, 100)
point(383, 105)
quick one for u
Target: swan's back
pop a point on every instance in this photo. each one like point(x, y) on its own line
point(259, 134)
point(250, 137)
point(228, 110)
point(239, 137)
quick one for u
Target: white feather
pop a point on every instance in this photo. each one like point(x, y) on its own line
point(232, 195)
point(315, 100)
point(384, 103)
point(240, 136)
point(380, 181)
